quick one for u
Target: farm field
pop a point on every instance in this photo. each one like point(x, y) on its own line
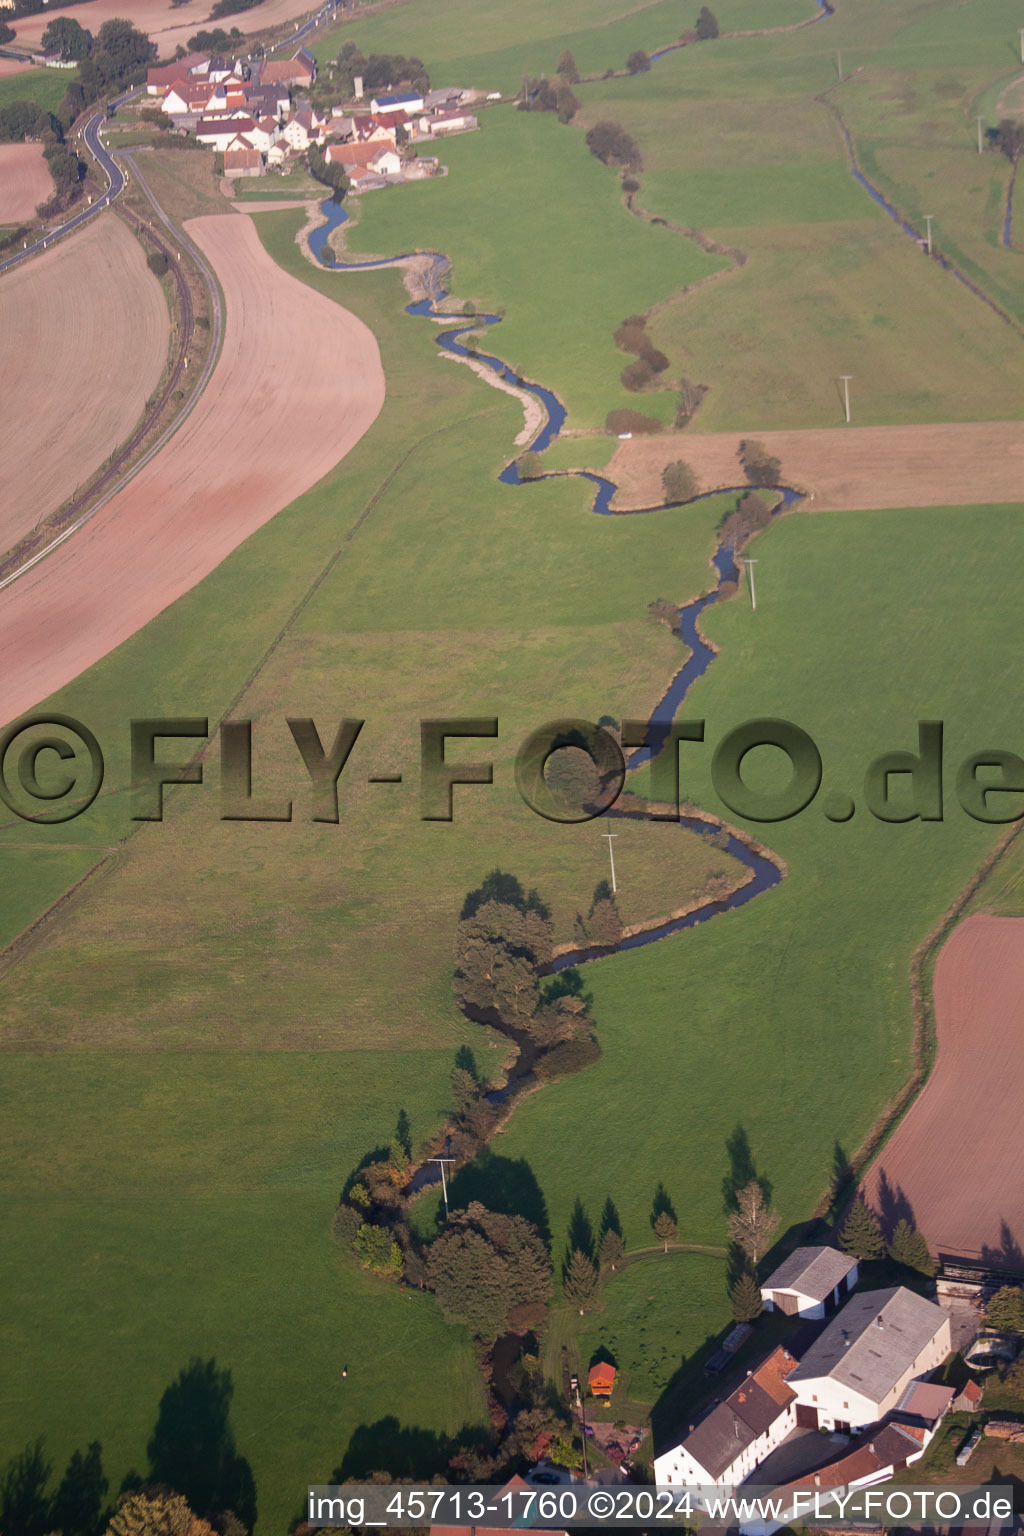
point(167, 25)
point(972, 1208)
point(225, 466)
point(92, 302)
point(45, 87)
point(846, 468)
point(25, 180)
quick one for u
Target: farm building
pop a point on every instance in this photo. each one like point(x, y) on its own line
point(297, 71)
point(448, 122)
point(736, 1436)
point(405, 101)
point(242, 160)
point(219, 132)
point(162, 75)
point(968, 1399)
point(810, 1283)
point(601, 1379)
point(856, 1370)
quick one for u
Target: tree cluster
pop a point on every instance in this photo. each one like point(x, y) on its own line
point(632, 336)
point(327, 172)
point(759, 466)
point(20, 120)
point(638, 62)
point(485, 1267)
point(66, 36)
point(750, 514)
point(214, 40)
point(707, 25)
point(566, 68)
point(1006, 1309)
point(548, 96)
point(504, 937)
point(602, 925)
point(612, 145)
point(1008, 138)
point(229, 7)
point(679, 482)
point(379, 71)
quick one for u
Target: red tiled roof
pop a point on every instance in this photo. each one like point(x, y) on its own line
point(358, 154)
point(280, 71)
point(244, 159)
point(602, 1374)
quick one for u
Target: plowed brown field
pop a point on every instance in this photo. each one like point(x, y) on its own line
point(83, 340)
point(847, 468)
point(298, 383)
point(953, 1164)
point(25, 180)
point(166, 26)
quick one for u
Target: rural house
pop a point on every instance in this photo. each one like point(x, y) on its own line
point(160, 76)
point(810, 1283)
point(240, 159)
point(856, 1371)
point(219, 132)
point(738, 1434)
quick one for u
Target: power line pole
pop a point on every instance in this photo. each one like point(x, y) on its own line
point(611, 855)
point(846, 377)
point(1022, 45)
point(444, 1185)
point(753, 595)
point(839, 62)
point(928, 220)
point(980, 121)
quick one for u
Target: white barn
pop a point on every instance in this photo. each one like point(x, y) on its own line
point(857, 1370)
point(810, 1283)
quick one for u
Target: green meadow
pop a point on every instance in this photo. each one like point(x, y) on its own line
point(45, 87)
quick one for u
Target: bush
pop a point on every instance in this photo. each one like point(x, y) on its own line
point(678, 481)
point(759, 466)
point(613, 145)
point(529, 465)
point(571, 1056)
point(638, 62)
point(157, 263)
point(345, 1225)
point(637, 376)
point(630, 184)
point(631, 421)
point(707, 25)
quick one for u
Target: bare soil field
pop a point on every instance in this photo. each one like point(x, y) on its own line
point(84, 331)
point(298, 383)
point(15, 67)
point(953, 1161)
point(846, 468)
point(166, 26)
point(25, 180)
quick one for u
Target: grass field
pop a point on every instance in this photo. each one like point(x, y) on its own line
point(45, 87)
point(491, 49)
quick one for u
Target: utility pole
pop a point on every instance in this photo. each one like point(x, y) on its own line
point(928, 220)
point(980, 121)
point(753, 595)
point(839, 62)
point(574, 1386)
point(444, 1185)
point(846, 377)
point(611, 855)
point(1022, 45)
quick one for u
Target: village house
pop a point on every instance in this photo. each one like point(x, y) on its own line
point(299, 71)
point(810, 1283)
point(218, 133)
point(277, 154)
point(861, 1465)
point(186, 96)
point(304, 129)
point(160, 76)
point(353, 156)
point(857, 1370)
point(737, 1435)
point(448, 122)
point(264, 135)
point(241, 159)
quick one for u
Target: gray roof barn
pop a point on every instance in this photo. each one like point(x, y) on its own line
point(813, 1272)
point(873, 1341)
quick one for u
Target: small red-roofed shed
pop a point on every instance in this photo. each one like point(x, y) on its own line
point(601, 1379)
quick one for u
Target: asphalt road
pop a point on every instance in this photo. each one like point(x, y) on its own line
point(110, 168)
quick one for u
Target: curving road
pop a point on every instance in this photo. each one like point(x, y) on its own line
point(109, 166)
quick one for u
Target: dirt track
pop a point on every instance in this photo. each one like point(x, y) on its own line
point(847, 468)
point(298, 383)
point(955, 1158)
point(83, 330)
point(25, 180)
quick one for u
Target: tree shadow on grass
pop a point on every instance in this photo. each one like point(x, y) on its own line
point(505, 1185)
point(403, 1450)
point(742, 1171)
point(192, 1448)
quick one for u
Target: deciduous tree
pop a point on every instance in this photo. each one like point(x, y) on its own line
point(753, 1223)
point(678, 481)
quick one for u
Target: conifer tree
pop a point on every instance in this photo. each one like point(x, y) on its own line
point(745, 1298)
point(580, 1282)
point(861, 1236)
